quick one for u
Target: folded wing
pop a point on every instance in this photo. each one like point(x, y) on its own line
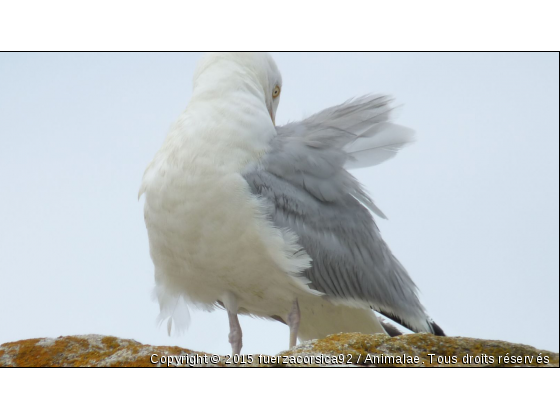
point(304, 179)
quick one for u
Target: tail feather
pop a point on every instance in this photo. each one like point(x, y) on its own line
point(390, 329)
point(433, 327)
point(437, 329)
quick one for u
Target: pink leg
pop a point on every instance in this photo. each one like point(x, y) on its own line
point(293, 322)
point(235, 334)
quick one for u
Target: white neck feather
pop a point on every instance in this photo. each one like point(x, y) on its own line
point(229, 127)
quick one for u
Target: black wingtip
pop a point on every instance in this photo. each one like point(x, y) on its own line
point(437, 329)
point(390, 329)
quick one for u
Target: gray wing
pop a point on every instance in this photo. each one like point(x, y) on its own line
point(311, 193)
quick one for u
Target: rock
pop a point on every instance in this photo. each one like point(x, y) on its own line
point(94, 350)
point(421, 350)
point(335, 350)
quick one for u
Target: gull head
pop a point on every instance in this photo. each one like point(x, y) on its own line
point(253, 72)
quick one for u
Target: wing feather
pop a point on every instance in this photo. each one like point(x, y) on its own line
point(303, 176)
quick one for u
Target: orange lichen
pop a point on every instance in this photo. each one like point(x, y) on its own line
point(78, 351)
point(111, 351)
point(450, 349)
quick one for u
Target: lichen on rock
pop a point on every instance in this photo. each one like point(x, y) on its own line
point(423, 350)
point(353, 349)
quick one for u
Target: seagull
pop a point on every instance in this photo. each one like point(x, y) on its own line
point(266, 220)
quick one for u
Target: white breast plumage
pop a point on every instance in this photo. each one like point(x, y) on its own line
point(209, 236)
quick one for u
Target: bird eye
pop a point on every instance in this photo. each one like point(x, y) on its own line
point(276, 92)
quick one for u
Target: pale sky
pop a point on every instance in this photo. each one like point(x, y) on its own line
point(472, 206)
